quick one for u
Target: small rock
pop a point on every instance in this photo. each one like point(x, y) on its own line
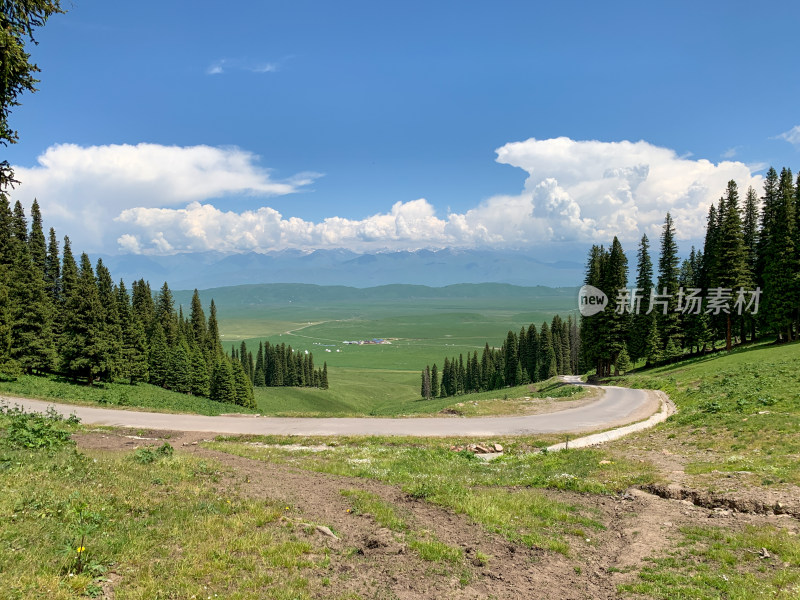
point(605, 462)
point(666, 452)
point(764, 553)
point(482, 449)
point(498, 448)
point(667, 523)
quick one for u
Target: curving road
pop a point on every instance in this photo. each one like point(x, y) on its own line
point(615, 406)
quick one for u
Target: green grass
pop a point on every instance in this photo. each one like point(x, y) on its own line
point(116, 395)
point(70, 522)
point(427, 546)
point(712, 563)
point(501, 494)
point(739, 411)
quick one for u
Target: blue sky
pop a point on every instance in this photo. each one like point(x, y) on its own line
point(166, 127)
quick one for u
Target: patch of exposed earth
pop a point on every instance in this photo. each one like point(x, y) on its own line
point(375, 563)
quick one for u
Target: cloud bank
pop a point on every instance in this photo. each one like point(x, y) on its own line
point(160, 199)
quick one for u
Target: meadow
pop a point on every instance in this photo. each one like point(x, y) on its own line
point(422, 325)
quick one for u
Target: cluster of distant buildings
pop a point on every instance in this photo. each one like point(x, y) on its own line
point(366, 342)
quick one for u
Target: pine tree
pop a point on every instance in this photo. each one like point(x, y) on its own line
point(223, 384)
point(7, 365)
point(158, 356)
point(781, 264)
point(324, 384)
point(36, 241)
point(84, 351)
point(133, 364)
point(179, 369)
point(111, 327)
point(213, 345)
point(52, 270)
point(531, 366)
point(243, 386)
point(652, 349)
point(165, 314)
point(669, 322)
point(731, 270)
point(640, 321)
point(623, 363)
point(6, 217)
point(511, 359)
point(434, 381)
point(425, 384)
point(32, 342)
point(591, 327)
point(547, 364)
point(199, 373)
point(198, 320)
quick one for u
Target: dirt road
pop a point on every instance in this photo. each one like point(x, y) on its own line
point(615, 406)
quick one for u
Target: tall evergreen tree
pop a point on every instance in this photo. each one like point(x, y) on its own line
point(640, 320)
point(731, 270)
point(434, 381)
point(36, 241)
point(158, 356)
point(781, 264)
point(133, 363)
point(165, 314)
point(547, 365)
point(52, 270)
point(84, 349)
point(668, 273)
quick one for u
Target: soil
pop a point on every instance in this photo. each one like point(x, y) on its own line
point(369, 560)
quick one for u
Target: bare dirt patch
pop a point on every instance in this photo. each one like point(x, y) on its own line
point(376, 563)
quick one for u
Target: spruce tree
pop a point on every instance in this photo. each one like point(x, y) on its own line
point(640, 320)
point(84, 349)
point(547, 364)
point(179, 369)
point(731, 270)
point(781, 265)
point(434, 381)
point(36, 241)
point(324, 384)
point(223, 384)
point(7, 364)
point(243, 386)
point(198, 320)
point(32, 341)
point(511, 360)
point(5, 230)
point(133, 363)
point(111, 328)
point(158, 356)
point(668, 272)
point(165, 314)
point(52, 270)
point(199, 372)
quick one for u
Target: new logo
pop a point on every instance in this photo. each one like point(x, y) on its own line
point(591, 300)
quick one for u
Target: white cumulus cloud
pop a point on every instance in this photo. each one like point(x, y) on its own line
point(82, 189)
point(159, 199)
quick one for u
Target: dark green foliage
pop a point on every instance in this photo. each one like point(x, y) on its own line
point(668, 273)
point(223, 385)
point(52, 270)
point(19, 19)
point(243, 387)
point(199, 373)
point(641, 320)
point(34, 431)
point(84, 348)
point(146, 456)
point(179, 369)
point(434, 381)
point(158, 357)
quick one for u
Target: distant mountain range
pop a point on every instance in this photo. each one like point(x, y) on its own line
point(205, 270)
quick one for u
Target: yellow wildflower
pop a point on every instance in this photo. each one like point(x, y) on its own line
point(81, 549)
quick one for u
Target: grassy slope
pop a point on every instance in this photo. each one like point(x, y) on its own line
point(116, 395)
point(739, 411)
